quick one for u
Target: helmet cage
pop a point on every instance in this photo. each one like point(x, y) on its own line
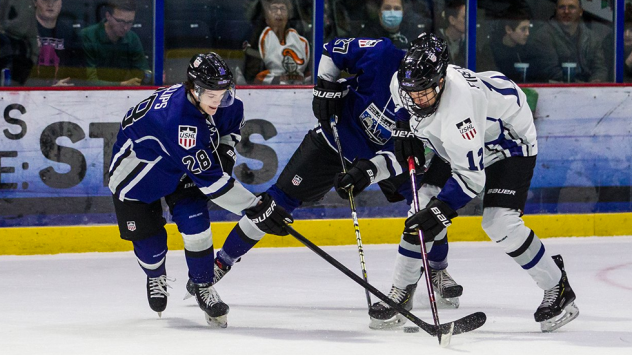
point(422, 68)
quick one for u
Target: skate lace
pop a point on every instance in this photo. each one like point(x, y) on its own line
point(209, 296)
point(397, 294)
point(158, 286)
point(442, 278)
point(550, 296)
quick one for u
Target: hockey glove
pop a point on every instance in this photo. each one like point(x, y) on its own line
point(406, 145)
point(328, 101)
point(432, 220)
point(357, 178)
point(269, 217)
point(227, 157)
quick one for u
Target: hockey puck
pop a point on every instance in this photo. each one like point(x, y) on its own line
point(411, 329)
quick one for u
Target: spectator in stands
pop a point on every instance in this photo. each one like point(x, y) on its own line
point(391, 25)
point(60, 49)
point(627, 46)
point(18, 39)
point(507, 45)
point(114, 54)
point(454, 32)
point(284, 52)
point(566, 39)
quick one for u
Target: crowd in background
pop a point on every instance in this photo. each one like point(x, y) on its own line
point(110, 42)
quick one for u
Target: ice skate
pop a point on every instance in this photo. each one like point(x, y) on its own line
point(157, 293)
point(447, 291)
point(215, 311)
point(383, 316)
point(558, 306)
point(219, 271)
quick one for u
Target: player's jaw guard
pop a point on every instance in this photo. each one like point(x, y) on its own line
point(210, 72)
point(423, 67)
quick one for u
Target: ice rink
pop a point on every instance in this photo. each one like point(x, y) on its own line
point(290, 301)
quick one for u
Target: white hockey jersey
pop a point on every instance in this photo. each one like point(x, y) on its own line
point(289, 57)
point(481, 119)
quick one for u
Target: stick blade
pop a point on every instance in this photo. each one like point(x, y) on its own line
point(445, 335)
point(467, 323)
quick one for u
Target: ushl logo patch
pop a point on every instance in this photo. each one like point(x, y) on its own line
point(131, 226)
point(297, 180)
point(187, 136)
point(467, 129)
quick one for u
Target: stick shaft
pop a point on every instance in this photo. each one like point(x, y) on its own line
point(354, 213)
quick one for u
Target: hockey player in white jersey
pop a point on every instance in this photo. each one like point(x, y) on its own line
point(481, 124)
point(178, 144)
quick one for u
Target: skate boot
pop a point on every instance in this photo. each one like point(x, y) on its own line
point(383, 316)
point(558, 306)
point(215, 310)
point(157, 293)
point(447, 290)
point(219, 271)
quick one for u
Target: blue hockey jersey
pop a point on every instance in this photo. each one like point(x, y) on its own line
point(369, 113)
point(165, 138)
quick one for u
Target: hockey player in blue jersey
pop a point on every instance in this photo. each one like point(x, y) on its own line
point(366, 118)
point(178, 144)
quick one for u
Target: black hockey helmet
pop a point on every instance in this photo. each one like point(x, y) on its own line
point(423, 67)
point(210, 72)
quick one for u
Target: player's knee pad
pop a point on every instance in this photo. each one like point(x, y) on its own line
point(199, 242)
point(191, 216)
point(505, 227)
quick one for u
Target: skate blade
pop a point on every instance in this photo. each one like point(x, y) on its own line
point(217, 322)
point(385, 324)
point(187, 296)
point(570, 312)
point(448, 302)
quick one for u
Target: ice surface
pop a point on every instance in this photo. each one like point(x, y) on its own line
point(290, 301)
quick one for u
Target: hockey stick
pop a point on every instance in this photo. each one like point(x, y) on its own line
point(354, 213)
point(424, 256)
point(463, 325)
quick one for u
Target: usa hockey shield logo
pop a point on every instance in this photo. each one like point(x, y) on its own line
point(297, 180)
point(467, 129)
point(187, 136)
point(131, 226)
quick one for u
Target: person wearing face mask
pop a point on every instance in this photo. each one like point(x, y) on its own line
point(391, 25)
point(178, 145)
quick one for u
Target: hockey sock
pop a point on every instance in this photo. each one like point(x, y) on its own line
point(151, 254)
point(198, 251)
point(507, 229)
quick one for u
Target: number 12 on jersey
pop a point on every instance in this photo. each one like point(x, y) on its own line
point(470, 159)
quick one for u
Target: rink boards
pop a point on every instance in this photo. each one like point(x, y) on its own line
point(55, 148)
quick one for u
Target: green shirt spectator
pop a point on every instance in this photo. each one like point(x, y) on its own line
point(114, 55)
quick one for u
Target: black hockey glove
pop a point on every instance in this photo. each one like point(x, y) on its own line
point(227, 157)
point(328, 101)
point(359, 177)
point(406, 145)
point(432, 220)
point(269, 217)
